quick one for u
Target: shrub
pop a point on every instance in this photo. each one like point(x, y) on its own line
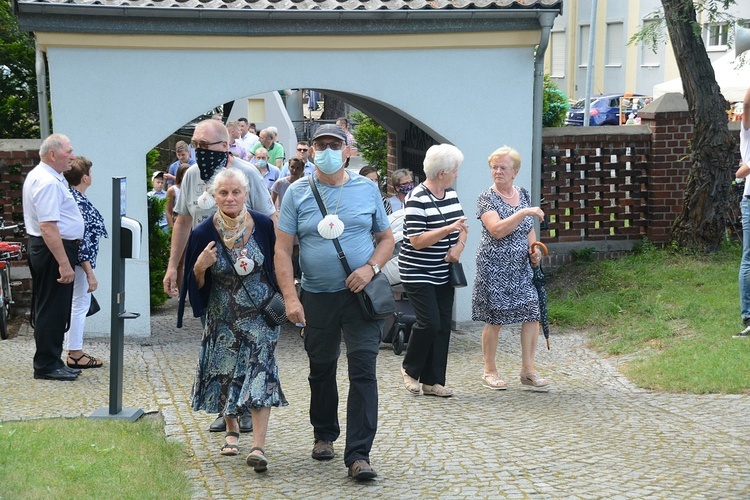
point(158, 240)
point(555, 105)
point(372, 141)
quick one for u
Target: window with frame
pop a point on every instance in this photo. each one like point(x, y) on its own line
point(583, 46)
point(558, 43)
point(614, 44)
point(717, 35)
point(648, 56)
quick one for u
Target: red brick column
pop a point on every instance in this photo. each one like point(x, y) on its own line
point(669, 165)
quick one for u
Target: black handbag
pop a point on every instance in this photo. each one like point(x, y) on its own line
point(273, 309)
point(94, 306)
point(456, 276)
point(376, 299)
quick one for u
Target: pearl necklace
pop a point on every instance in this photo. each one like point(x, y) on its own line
point(507, 197)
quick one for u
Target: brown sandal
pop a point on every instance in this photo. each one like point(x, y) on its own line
point(91, 363)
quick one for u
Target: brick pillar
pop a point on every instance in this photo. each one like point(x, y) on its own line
point(671, 132)
point(392, 160)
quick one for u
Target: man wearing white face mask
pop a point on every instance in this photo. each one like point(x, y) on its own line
point(269, 172)
point(329, 308)
point(211, 144)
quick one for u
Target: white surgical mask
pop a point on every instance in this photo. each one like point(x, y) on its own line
point(328, 160)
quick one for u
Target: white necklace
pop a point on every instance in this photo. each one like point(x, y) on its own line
point(507, 197)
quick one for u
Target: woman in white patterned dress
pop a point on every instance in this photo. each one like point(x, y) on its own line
point(503, 291)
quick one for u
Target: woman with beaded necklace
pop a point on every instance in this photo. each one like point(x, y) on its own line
point(503, 291)
point(229, 275)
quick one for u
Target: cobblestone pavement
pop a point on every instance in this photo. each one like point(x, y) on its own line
point(593, 435)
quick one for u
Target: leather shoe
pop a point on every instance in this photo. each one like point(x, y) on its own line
point(59, 374)
point(246, 422)
point(361, 471)
point(75, 371)
point(218, 425)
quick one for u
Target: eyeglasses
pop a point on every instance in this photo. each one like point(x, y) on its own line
point(500, 168)
point(303, 150)
point(322, 146)
point(407, 183)
point(203, 144)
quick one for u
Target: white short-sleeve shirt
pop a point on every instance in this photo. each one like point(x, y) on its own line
point(46, 198)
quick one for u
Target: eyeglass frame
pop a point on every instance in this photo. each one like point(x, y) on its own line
point(501, 168)
point(335, 146)
point(203, 144)
point(303, 150)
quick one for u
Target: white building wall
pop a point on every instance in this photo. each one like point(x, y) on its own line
point(116, 104)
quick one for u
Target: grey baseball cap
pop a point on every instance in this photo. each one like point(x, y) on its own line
point(331, 130)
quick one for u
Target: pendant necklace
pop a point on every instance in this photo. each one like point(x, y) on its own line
point(331, 227)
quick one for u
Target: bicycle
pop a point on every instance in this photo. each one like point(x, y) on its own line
point(8, 252)
point(734, 214)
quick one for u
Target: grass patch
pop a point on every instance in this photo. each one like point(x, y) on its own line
point(671, 316)
point(84, 458)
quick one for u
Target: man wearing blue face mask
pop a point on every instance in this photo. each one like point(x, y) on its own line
point(329, 308)
point(270, 173)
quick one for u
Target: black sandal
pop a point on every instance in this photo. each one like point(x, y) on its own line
point(91, 363)
point(259, 463)
point(229, 449)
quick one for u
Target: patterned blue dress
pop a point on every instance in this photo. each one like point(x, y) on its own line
point(503, 291)
point(237, 363)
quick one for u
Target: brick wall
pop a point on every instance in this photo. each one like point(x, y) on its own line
point(17, 158)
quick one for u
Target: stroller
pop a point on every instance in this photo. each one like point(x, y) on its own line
point(397, 328)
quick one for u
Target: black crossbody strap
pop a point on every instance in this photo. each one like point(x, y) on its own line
point(322, 207)
point(432, 199)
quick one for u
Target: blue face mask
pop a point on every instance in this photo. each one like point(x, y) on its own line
point(328, 161)
point(261, 163)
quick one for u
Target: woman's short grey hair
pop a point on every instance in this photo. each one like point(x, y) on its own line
point(442, 158)
point(398, 175)
point(230, 173)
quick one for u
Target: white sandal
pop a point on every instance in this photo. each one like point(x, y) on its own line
point(533, 380)
point(436, 390)
point(493, 381)
point(411, 385)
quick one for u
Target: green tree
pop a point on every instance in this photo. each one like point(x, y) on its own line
point(700, 226)
point(555, 104)
point(372, 141)
point(19, 112)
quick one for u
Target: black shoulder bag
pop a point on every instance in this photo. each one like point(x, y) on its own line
point(273, 309)
point(456, 275)
point(376, 299)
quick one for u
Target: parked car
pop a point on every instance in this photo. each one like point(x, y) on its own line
point(604, 110)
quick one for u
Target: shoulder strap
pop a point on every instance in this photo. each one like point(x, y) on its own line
point(322, 207)
point(432, 199)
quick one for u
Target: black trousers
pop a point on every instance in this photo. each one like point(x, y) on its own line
point(51, 304)
point(427, 352)
point(328, 315)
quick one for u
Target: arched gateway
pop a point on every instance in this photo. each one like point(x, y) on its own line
point(126, 74)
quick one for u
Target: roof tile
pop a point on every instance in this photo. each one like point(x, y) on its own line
point(315, 4)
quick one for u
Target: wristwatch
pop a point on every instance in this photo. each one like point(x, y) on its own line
point(375, 268)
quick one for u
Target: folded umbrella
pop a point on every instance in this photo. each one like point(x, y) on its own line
point(539, 281)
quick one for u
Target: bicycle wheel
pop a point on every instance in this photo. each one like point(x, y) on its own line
point(4, 305)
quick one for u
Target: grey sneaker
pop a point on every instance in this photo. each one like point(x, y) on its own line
point(744, 334)
point(322, 450)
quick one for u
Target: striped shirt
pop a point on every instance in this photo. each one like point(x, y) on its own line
point(423, 213)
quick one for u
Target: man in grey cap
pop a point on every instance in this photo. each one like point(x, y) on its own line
point(329, 307)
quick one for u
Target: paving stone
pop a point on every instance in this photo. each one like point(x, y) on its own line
point(588, 437)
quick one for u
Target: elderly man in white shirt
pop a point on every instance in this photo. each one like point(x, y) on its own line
point(55, 228)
